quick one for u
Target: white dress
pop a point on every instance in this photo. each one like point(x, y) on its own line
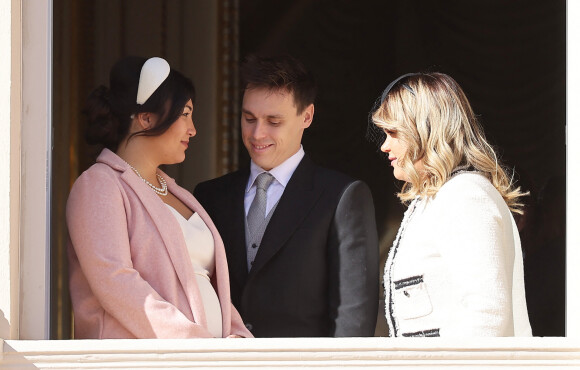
point(200, 245)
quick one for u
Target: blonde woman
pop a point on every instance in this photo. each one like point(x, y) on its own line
point(455, 268)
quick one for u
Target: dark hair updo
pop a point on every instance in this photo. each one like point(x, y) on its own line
point(109, 110)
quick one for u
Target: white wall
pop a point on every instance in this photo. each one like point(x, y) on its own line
point(5, 44)
point(8, 263)
point(35, 169)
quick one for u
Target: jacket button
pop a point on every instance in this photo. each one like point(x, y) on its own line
point(249, 326)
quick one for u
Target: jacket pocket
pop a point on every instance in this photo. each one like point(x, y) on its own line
point(411, 298)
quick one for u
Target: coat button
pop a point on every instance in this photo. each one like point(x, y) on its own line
point(249, 326)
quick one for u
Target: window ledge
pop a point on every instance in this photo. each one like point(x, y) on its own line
point(280, 352)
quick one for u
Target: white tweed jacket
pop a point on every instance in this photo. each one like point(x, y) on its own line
point(456, 269)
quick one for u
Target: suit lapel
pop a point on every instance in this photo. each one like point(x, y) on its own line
point(298, 199)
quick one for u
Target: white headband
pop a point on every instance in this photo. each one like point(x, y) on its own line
point(153, 73)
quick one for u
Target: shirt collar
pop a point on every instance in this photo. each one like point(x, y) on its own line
point(282, 173)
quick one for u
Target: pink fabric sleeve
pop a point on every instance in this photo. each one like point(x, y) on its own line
point(98, 228)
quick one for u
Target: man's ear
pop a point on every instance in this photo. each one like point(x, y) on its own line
point(308, 115)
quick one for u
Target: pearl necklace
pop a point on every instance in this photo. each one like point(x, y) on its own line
point(162, 190)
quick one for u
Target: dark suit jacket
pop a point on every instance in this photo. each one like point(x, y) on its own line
point(316, 271)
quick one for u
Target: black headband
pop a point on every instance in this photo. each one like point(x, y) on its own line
point(392, 84)
point(374, 133)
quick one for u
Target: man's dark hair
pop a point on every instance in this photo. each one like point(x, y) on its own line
point(280, 73)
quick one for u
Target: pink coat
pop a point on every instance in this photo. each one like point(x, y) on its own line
point(130, 272)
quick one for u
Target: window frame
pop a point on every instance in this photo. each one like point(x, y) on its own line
point(35, 167)
point(34, 225)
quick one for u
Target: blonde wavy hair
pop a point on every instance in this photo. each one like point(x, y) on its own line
point(431, 114)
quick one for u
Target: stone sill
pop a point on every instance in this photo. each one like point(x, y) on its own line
point(304, 353)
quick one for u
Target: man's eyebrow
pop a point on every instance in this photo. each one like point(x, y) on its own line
point(245, 111)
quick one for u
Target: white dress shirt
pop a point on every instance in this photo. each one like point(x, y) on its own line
point(282, 175)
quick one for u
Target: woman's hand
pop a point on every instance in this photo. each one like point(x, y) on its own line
point(234, 336)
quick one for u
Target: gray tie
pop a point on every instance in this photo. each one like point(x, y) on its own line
point(257, 215)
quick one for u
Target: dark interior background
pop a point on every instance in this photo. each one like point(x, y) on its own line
point(509, 57)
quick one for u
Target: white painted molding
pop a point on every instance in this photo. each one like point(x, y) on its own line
point(407, 353)
point(6, 278)
point(35, 165)
point(15, 160)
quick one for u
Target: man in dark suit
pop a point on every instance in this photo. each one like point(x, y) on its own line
point(301, 240)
